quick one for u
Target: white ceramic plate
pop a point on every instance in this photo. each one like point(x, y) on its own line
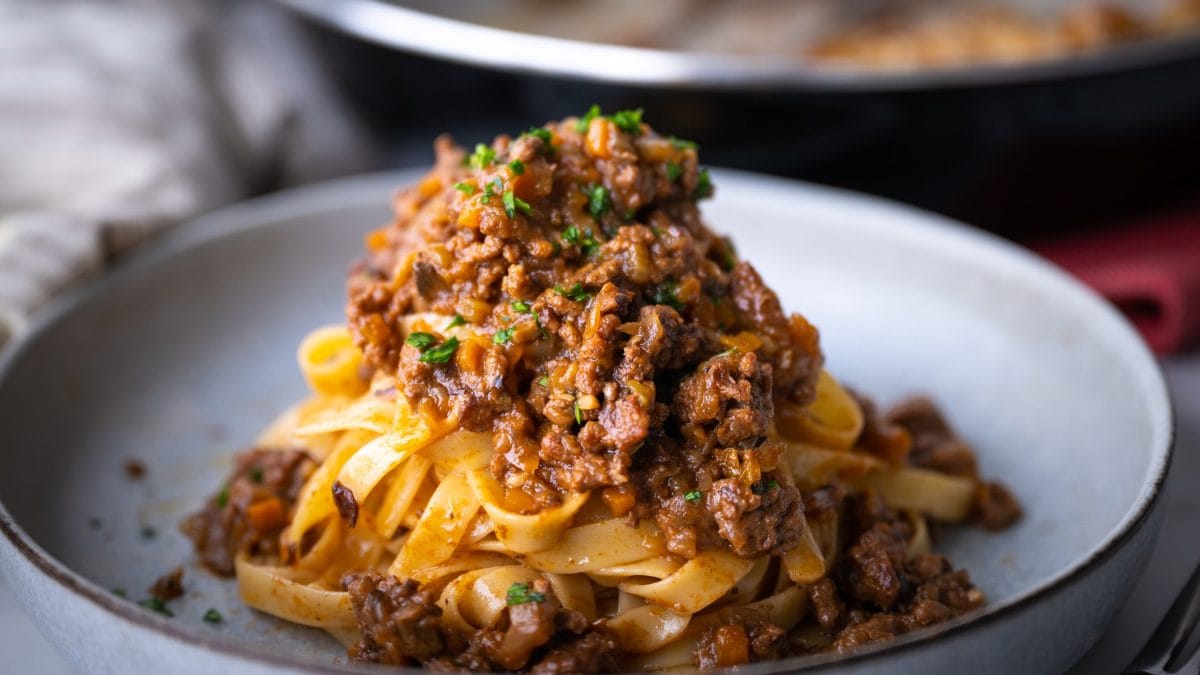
point(179, 358)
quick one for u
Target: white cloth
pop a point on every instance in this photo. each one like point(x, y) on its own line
point(121, 117)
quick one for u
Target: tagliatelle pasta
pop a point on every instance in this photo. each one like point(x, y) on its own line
point(565, 429)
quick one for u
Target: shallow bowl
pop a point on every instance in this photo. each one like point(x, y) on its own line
point(179, 357)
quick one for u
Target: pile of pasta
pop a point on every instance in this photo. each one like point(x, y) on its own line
point(430, 510)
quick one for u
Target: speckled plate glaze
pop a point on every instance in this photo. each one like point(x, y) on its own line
point(179, 357)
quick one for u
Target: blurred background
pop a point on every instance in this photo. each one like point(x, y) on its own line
point(1069, 126)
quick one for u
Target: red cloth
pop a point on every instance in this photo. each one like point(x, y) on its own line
point(1149, 270)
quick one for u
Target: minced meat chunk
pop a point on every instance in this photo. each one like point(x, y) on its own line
point(400, 623)
point(247, 515)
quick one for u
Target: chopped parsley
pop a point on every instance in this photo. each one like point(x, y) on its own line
point(693, 495)
point(223, 496)
point(213, 616)
point(457, 321)
point(544, 381)
point(517, 167)
point(704, 186)
point(521, 306)
point(578, 413)
point(155, 604)
point(582, 124)
point(572, 236)
point(491, 189)
point(629, 121)
point(467, 189)
point(764, 487)
point(521, 592)
point(674, 171)
point(421, 341)
point(483, 157)
point(598, 200)
point(683, 143)
point(440, 353)
point(513, 203)
point(503, 337)
point(256, 475)
point(576, 292)
point(667, 294)
point(542, 133)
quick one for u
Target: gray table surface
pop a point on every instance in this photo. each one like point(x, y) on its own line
point(1178, 551)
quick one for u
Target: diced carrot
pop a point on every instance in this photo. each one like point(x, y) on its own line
point(266, 514)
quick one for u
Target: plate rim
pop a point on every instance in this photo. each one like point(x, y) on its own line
point(332, 195)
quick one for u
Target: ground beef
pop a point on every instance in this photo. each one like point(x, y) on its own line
point(995, 506)
point(757, 524)
point(792, 342)
point(935, 445)
point(882, 437)
point(530, 625)
point(593, 303)
point(169, 586)
point(746, 636)
point(400, 624)
point(726, 402)
point(247, 515)
point(595, 652)
point(875, 591)
point(824, 603)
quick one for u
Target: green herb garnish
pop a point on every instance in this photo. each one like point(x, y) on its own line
point(440, 353)
point(704, 186)
point(513, 203)
point(667, 294)
point(223, 496)
point(521, 592)
point(683, 143)
point(156, 605)
point(503, 337)
point(491, 189)
point(213, 616)
point(576, 292)
point(629, 121)
point(542, 133)
point(598, 200)
point(693, 495)
point(581, 125)
point(521, 306)
point(674, 171)
point(517, 167)
point(578, 413)
point(764, 487)
point(421, 341)
point(457, 321)
point(256, 475)
point(483, 157)
point(544, 381)
point(572, 236)
point(467, 189)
